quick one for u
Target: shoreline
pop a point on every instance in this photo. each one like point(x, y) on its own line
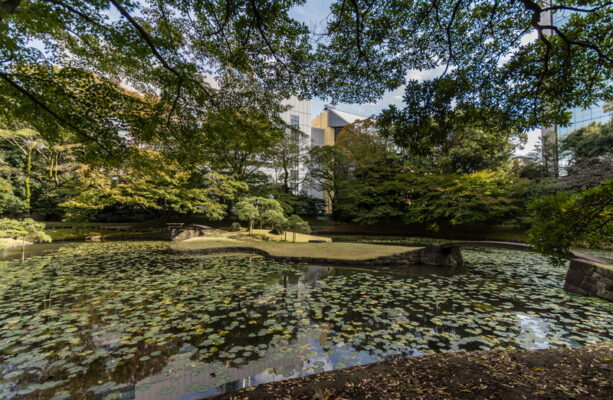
point(581, 373)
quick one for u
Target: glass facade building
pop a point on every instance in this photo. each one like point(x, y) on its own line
point(552, 136)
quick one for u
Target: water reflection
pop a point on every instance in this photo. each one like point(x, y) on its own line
point(127, 320)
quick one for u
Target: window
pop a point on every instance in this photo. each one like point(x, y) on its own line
point(294, 120)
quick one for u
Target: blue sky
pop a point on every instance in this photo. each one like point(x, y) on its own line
point(314, 13)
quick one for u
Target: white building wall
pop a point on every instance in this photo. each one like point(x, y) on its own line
point(302, 110)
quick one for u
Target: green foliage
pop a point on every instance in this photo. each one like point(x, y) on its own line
point(297, 225)
point(485, 196)
point(40, 84)
point(26, 229)
point(593, 140)
point(567, 220)
point(235, 227)
point(328, 172)
point(462, 145)
point(149, 182)
point(480, 69)
point(275, 219)
point(9, 203)
point(258, 209)
point(483, 69)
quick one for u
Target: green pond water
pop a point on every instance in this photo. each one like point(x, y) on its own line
point(129, 320)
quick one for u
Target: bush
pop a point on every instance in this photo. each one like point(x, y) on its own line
point(235, 227)
point(566, 220)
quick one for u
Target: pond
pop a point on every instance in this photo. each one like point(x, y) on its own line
point(129, 320)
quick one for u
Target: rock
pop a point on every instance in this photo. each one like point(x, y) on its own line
point(444, 254)
point(178, 234)
point(590, 279)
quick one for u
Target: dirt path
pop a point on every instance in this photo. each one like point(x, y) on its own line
point(580, 373)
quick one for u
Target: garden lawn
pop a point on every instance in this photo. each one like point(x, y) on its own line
point(338, 251)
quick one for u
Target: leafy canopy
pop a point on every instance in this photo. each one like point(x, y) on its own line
point(153, 183)
point(568, 220)
point(62, 61)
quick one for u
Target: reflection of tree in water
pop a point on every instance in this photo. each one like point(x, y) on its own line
point(125, 313)
point(110, 290)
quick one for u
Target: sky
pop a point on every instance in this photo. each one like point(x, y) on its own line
point(314, 13)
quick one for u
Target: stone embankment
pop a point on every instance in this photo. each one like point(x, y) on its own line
point(590, 278)
point(448, 255)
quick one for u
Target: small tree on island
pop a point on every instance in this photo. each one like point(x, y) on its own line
point(253, 209)
point(27, 229)
point(276, 220)
point(297, 225)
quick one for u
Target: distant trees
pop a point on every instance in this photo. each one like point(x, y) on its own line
point(328, 172)
point(26, 229)
point(368, 179)
point(297, 225)
point(151, 183)
point(27, 142)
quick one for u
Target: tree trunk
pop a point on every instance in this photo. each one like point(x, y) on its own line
point(23, 248)
point(251, 227)
point(294, 233)
point(26, 179)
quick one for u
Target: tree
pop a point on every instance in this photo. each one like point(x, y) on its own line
point(27, 142)
point(253, 209)
point(477, 55)
point(287, 155)
point(240, 134)
point(160, 49)
point(567, 220)
point(328, 172)
point(246, 211)
point(275, 219)
point(27, 229)
point(485, 196)
point(297, 225)
point(480, 52)
point(588, 142)
point(151, 183)
point(9, 203)
point(448, 148)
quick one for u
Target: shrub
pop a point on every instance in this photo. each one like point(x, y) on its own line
point(566, 220)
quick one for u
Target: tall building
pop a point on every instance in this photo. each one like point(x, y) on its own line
point(327, 125)
point(324, 131)
point(298, 115)
point(551, 136)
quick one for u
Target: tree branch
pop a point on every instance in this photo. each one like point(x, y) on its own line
point(537, 10)
point(46, 108)
point(260, 27)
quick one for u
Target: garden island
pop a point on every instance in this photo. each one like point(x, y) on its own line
point(306, 199)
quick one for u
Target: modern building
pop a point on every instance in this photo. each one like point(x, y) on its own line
point(551, 136)
point(324, 131)
point(327, 125)
point(298, 115)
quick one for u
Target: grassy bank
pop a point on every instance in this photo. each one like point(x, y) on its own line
point(578, 373)
point(341, 251)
